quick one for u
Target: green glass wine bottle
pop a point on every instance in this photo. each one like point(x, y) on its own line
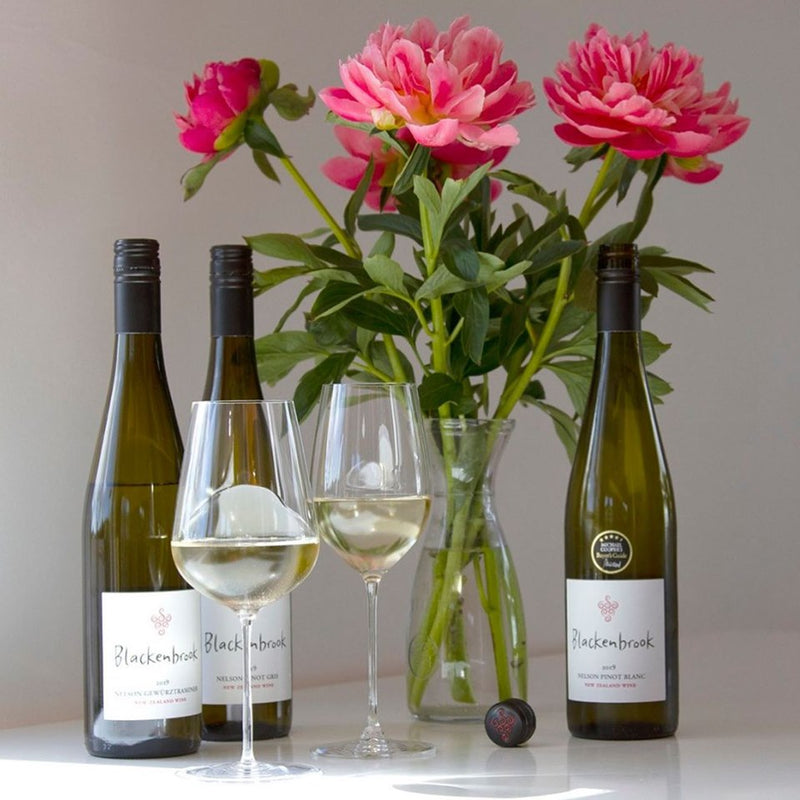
point(141, 619)
point(620, 535)
point(233, 375)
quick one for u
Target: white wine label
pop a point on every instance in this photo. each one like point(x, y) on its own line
point(615, 641)
point(151, 654)
point(270, 653)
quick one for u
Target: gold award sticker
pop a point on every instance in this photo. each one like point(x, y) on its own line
point(612, 551)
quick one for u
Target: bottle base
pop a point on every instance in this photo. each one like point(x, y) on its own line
point(159, 748)
point(622, 734)
point(232, 732)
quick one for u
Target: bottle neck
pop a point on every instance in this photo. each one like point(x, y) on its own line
point(231, 309)
point(618, 304)
point(232, 370)
point(137, 305)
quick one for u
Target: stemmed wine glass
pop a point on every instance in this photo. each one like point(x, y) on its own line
point(371, 491)
point(244, 532)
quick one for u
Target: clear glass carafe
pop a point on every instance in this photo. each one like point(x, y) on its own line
point(466, 641)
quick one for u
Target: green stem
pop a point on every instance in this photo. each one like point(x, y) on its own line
point(394, 358)
point(514, 391)
point(589, 210)
point(351, 247)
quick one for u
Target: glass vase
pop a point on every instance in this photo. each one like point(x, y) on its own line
point(466, 640)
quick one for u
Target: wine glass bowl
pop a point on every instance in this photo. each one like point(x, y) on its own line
point(245, 533)
point(370, 482)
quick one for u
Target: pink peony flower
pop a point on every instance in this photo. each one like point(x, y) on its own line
point(455, 160)
point(643, 102)
point(347, 171)
point(440, 87)
point(218, 103)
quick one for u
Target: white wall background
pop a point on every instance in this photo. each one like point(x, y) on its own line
point(88, 153)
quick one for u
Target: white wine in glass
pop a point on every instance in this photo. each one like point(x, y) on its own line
point(370, 482)
point(244, 533)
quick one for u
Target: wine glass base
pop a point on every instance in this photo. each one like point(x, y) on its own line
point(236, 772)
point(372, 749)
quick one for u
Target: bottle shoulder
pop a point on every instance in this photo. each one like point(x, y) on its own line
point(139, 441)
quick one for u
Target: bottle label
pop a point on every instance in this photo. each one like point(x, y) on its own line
point(151, 654)
point(615, 641)
point(270, 653)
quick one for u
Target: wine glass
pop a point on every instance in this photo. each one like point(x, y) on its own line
point(371, 491)
point(244, 532)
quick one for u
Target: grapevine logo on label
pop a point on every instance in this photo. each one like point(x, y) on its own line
point(612, 552)
point(161, 621)
point(608, 608)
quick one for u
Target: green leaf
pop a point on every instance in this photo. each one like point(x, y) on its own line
point(334, 297)
point(473, 306)
point(393, 223)
point(531, 243)
point(270, 75)
point(386, 272)
point(652, 347)
point(278, 353)
point(671, 264)
point(259, 137)
point(330, 370)
point(502, 276)
point(337, 258)
point(526, 187)
point(576, 376)
point(378, 355)
point(263, 163)
point(553, 254)
point(441, 282)
point(263, 280)
point(578, 156)
point(384, 245)
point(193, 178)
point(356, 200)
point(455, 192)
point(436, 389)
point(460, 258)
point(658, 387)
point(566, 427)
point(285, 246)
point(629, 170)
point(683, 287)
point(289, 103)
point(416, 165)
point(375, 317)
point(428, 197)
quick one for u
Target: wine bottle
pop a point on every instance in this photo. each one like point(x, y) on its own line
point(141, 619)
point(620, 535)
point(233, 375)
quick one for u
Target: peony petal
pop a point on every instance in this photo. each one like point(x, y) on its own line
point(702, 172)
point(344, 171)
point(341, 102)
point(489, 138)
point(197, 140)
point(438, 134)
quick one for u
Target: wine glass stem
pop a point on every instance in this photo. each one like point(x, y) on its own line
point(247, 759)
point(373, 723)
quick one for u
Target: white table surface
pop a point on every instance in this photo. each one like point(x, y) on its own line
point(739, 737)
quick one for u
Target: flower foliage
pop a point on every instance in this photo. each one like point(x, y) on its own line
point(425, 120)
